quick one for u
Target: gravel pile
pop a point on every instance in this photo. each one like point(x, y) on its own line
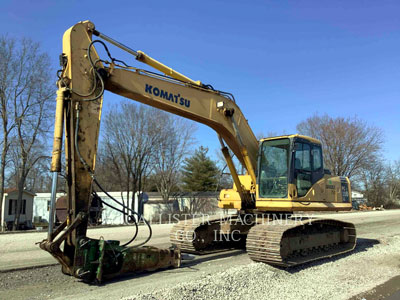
point(371, 264)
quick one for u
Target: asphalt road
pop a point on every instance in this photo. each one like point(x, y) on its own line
point(20, 251)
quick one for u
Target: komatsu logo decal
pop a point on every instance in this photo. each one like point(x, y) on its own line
point(167, 96)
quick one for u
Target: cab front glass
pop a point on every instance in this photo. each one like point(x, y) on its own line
point(273, 168)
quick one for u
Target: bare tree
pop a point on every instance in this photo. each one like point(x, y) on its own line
point(393, 182)
point(349, 144)
point(175, 141)
point(38, 178)
point(31, 106)
point(130, 135)
point(373, 182)
point(107, 173)
point(7, 87)
point(380, 184)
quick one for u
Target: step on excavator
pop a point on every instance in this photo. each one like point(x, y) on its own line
point(283, 175)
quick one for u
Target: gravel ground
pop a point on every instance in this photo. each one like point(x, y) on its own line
point(372, 264)
point(43, 282)
point(219, 276)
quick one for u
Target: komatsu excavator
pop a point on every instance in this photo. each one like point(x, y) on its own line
point(283, 174)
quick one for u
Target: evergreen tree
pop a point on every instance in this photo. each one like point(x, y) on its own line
point(199, 172)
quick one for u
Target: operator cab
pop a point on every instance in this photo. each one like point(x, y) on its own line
point(284, 160)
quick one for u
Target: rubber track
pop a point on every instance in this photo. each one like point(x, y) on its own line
point(264, 242)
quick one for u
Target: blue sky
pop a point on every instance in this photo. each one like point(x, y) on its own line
point(283, 60)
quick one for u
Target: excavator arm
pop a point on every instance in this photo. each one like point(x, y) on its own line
point(82, 81)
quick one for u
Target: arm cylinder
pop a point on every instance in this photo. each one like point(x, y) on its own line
point(58, 132)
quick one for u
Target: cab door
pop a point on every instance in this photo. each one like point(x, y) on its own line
point(308, 165)
point(317, 163)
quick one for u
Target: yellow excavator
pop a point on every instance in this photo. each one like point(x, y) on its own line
point(283, 175)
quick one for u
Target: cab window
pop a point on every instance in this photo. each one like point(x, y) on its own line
point(302, 160)
point(317, 158)
point(302, 168)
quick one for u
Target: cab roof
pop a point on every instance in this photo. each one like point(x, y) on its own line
point(290, 136)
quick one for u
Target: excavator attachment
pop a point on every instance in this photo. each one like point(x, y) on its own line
point(100, 259)
point(96, 260)
point(289, 242)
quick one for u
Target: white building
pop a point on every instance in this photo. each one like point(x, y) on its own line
point(357, 199)
point(356, 195)
point(41, 207)
point(9, 208)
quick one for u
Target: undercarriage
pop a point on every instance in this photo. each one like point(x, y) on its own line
point(276, 239)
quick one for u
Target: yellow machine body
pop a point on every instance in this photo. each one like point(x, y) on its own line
point(332, 193)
